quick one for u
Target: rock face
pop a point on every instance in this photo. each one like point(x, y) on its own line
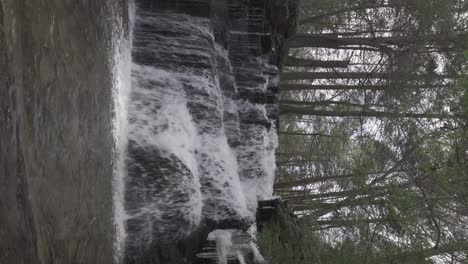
point(56, 140)
point(202, 113)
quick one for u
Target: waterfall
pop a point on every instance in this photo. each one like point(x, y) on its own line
point(122, 45)
point(195, 129)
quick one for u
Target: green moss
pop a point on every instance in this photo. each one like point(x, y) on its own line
point(285, 240)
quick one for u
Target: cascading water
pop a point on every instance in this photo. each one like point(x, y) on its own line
point(198, 151)
point(122, 42)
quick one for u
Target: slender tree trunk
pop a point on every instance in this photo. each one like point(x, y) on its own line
point(330, 41)
point(298, 183)
point(349, 222)
point(324, 103)
point(310, 180)
point(297, 196)
point(298, 162)
point(327, 195)
point(356, 33)
point(289, 162)
point(301, 87)
point(342, 11)
point(287, 109)
point(285, 76)
point(304, 134)
point(292, 154)
point(304, 87)
point(299, 62)
point(333, 206)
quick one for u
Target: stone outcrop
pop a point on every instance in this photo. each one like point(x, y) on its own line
point(56, 140)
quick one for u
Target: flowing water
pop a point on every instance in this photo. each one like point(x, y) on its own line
point(195, 127)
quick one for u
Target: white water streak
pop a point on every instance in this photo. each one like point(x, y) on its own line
point(121, 71)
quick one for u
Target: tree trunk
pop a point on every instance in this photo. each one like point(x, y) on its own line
point(334, 206)
point(303, 87)
point(342, 11)
point(304, 134)
point(299, 62)
point(326, 195)
point(330, 41)
point(361, 32)
point(298, 183)
point(324, 103)
point(304, 195)
point(298, 162)
point(355, 75)
point(349, 222)
point(287, 109)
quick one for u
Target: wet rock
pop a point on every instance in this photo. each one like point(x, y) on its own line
point(202, 72)
point(56, 148)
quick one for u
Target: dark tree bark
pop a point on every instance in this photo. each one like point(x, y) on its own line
point(304, 134)
point(302, 87)
point(335, 41)
point(305, 87)
point(365, 201)
point(324, 103)
point(349, 222)
point(285, 76)
point(343, 11)
point(299, 62)
point(310, 180)
point(307, 111)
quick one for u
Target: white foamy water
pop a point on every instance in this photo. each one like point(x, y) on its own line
point(231, 244)
point(121, 70)
point(189, 150)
